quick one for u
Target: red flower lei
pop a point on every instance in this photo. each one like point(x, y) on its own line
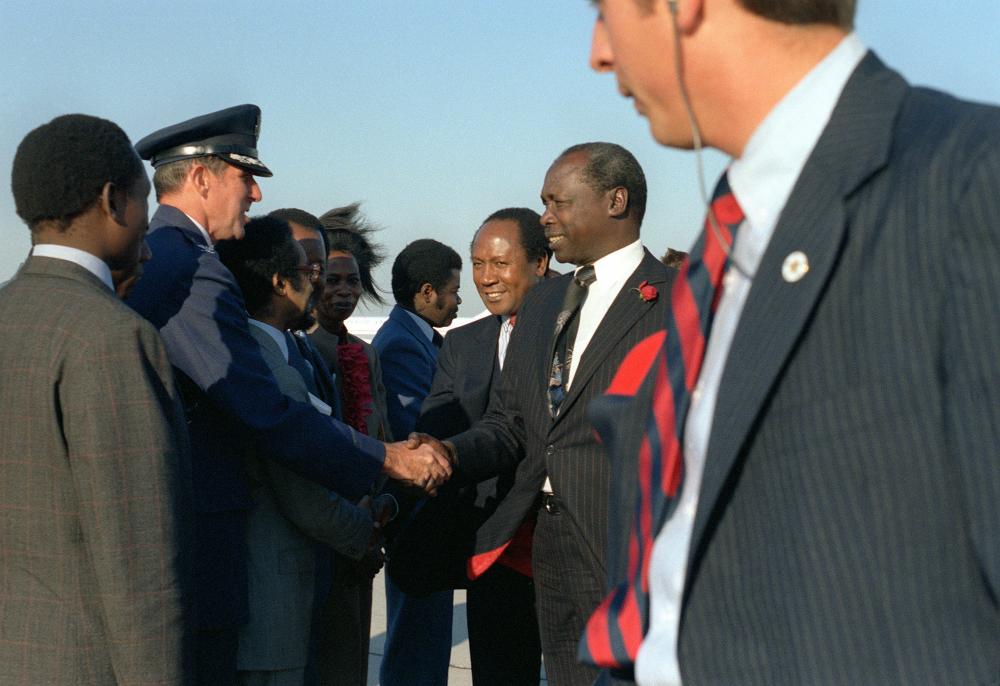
point(356, 384)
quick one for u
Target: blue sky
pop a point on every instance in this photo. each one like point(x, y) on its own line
point(433, 113)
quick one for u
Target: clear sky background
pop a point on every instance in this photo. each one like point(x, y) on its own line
point(434, 113)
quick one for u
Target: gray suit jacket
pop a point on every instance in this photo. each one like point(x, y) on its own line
point(95, 495)
point(289, 513)
point(848, 529)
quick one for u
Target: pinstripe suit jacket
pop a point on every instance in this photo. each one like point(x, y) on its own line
point(95, 488)
point(518, 430)
point(289, 514)
point(848, 529)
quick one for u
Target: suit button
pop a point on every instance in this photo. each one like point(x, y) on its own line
point(549, 451)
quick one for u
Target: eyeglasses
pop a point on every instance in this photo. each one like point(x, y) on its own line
point(315, 272)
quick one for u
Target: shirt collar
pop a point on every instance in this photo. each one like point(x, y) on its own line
point(425, 328)
point(92, 263)
point(764, 175)
point(617, 265)
point(277, 335)
point(204, 231)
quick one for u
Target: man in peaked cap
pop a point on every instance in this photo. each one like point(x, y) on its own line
point(204, 181)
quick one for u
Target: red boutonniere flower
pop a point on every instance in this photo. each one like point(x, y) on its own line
point(646, 292)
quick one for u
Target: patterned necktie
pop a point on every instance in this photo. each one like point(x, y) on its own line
point(616, 629)
point(564, 335)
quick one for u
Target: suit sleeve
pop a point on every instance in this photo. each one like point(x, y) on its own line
point(406, 372)
point(318, 513)
point(496, 443)
point(971, 362)
point(210, 342)
point(442, 414)
point(129, 457)
point(379, 396)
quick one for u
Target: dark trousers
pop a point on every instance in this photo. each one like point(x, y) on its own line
point(503, 629)
point(568, 587)
point(417, 638)
point(215, 656)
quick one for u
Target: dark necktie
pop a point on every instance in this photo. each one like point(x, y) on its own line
point(616, 629)
point(564, 335)
point(299, 363)
point(438, 340)
point(307, 361)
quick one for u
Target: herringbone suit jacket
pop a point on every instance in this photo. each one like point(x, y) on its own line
point(519, 430)
point(95, 493)
point(848, 528)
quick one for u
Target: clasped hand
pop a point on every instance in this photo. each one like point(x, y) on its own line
point(420, 461)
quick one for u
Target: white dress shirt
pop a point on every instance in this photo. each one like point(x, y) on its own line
point(93, 264)
point(506, 329)
point(762, 180)
point(610, 272)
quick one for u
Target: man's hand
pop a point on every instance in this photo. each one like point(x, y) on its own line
point(425, 464)
point(416, 439)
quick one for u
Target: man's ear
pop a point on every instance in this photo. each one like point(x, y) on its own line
point(426, 292)
point(687, 14)
point(199, 177)
point(278, 284)
point(541, 266)
point(112, 201)
point(618, 204)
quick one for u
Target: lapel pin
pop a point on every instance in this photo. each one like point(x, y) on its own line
point(795, 266)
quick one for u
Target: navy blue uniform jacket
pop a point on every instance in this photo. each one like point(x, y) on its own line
point(232, 400)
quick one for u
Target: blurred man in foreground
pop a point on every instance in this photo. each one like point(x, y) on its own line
point(807, 485)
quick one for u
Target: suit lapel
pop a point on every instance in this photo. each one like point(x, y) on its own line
point(406, 321)
point(626, 309)
point(480, 376)
point(853, 147)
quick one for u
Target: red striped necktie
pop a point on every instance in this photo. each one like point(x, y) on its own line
point(616, 629)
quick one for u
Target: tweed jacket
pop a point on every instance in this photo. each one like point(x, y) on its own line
point(95, 493)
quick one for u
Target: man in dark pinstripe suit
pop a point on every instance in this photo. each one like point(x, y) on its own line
point(594, 196)
point(839, 518)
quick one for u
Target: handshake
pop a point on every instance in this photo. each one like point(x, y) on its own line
point(421, 460)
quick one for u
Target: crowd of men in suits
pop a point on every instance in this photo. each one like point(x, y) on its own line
point(771, 462)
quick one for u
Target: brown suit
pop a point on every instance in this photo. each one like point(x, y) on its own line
point(95, 508)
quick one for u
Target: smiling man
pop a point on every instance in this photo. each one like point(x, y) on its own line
point(205, 183)
point(509, 257)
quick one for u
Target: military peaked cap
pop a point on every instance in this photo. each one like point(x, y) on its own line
point(230, 134)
